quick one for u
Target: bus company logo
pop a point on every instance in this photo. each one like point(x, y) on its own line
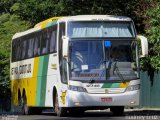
point(22, 69)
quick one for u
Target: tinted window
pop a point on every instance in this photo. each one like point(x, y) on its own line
point(35, 44)
point(44, 42)
point(30, 45)
point(53, 41)
point(24, 49)
point(18, 49)
point(14, 51)
point(62, 61)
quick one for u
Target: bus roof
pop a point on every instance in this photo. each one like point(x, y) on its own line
point(95, 17)
point(44, 23)
point(54, 20)
point(19, 34)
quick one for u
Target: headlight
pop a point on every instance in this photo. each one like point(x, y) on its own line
point(77, 88)
point(133, 87)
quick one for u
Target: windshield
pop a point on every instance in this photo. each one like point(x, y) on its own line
point(114, 29)
point(103, 60)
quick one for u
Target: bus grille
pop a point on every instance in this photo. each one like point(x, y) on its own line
point(105, 91)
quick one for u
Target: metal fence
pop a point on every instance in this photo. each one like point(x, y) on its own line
point(150, 90)
point(5, 105)
point(6, 108)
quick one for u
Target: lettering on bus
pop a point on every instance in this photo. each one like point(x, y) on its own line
point(93, 85)
point(106, 99)
point(22, 69)
point(88, 75)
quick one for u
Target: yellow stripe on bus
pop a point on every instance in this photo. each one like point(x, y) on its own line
point(123, 85)
point(44, 23)
point(32, 84)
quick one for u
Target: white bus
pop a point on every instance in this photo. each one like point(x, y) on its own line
point(77, 63)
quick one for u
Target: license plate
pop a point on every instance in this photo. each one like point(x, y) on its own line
point(106, 99)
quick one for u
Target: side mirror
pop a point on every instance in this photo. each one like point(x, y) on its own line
point(144, 45)
point(65, 41)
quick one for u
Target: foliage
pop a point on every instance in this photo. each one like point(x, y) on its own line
point(38, 10)
point(5, 5)
point(154, 37)
point(10, 24)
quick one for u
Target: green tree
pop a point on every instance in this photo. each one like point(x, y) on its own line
point(154, 37)
point(5, 5)
point(10, 24)
point(39, 10)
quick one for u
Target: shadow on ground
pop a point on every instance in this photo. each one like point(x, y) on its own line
point(109, 114)
point(143, 112)
point(92, 115)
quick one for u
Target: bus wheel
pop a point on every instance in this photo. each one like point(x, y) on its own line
point(117, 110)
point(23, 104)
point(60, 111)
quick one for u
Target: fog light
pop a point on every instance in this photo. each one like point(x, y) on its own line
point(77, 104)
point(133, 102)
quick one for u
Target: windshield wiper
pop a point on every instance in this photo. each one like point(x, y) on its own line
point(115, 68)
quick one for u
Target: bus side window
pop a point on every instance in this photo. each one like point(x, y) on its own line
point(61, 33)
point(14, 50)
point(24, 46)
point(44, 42)
point(53, 41)
point(30, 45)
point(62, 61)
point(18, 49)
point(37, 44)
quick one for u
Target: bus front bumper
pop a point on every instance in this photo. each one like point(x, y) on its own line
point(82, 99)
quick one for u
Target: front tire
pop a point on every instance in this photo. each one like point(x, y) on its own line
point(60, 111)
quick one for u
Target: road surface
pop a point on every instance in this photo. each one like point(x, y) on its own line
point(90, 115)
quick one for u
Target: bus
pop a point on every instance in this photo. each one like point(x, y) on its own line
point(77, 63)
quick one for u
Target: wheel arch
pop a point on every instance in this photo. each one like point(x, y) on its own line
point(19, 94)
point(54, 92)
point(24, 92)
